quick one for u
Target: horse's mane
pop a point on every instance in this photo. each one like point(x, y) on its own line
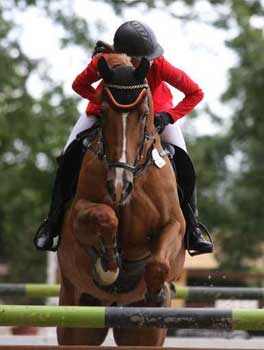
point(118, 59)
point(113, 58)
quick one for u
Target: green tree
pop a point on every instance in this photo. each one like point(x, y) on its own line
point(229, 165)
point(32, 134)
point(245, 92)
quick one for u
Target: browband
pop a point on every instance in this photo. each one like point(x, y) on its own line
point(126, 87)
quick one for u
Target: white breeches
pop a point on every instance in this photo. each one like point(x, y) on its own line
point(171, 134)
point(82, 124)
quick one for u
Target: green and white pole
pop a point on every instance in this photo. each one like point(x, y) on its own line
point(214, 293)
point(30, 290)
point(130, 317)
point(187, 293)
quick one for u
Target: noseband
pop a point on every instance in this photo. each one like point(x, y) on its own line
point(136, 169)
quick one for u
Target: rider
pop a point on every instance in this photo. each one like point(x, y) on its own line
point(137, 40)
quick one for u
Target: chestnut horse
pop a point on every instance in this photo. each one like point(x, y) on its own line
point(122, 237)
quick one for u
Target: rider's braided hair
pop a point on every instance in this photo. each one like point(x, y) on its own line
point(102, 47)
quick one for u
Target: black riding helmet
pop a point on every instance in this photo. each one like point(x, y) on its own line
point(137, 40)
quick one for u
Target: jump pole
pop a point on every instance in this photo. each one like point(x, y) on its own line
point(187, 293)
point(214, 293)
point(131, 317)
point(30, 290)
point(84, 347)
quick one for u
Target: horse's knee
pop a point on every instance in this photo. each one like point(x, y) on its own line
point(105, 219)
point(156, 273)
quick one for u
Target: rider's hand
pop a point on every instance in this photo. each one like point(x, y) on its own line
point(161, 120)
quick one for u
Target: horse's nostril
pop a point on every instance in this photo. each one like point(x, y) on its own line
point(126, 191)
point(110, 188)
point(128, 188)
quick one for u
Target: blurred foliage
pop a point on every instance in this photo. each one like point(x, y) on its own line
point(33, 131)
point(230, 167)
point(246, 91)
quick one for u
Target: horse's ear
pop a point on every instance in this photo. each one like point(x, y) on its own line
point(104, 69)
point(142, 70)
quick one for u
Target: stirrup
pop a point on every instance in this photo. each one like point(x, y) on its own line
point(205, 232)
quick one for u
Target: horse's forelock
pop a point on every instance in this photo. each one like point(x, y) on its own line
point(117, 59)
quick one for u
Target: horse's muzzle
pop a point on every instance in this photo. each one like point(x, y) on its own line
point(119, 192)
point(126, 191)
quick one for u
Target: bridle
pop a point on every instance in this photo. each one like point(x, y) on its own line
point(137, 168)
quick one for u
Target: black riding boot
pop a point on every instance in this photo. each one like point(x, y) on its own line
point(194, 239)
point(48, 235)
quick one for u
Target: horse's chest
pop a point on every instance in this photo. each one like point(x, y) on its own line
point(136, 225)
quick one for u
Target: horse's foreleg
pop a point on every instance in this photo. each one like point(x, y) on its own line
point(77, 336)
point(95, 226)
point(166, 251)
point(166, 262)
point(140, 336)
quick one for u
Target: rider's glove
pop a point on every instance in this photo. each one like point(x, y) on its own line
point(161, 120)
point(102, 47)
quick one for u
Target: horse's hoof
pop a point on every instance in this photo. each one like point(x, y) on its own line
point(159, 299)
point(156, 299)
point(105, 278)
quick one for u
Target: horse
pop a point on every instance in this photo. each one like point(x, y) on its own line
point(123, 235)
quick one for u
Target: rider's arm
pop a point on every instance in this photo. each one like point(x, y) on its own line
point(181, 81)
point(82, 84)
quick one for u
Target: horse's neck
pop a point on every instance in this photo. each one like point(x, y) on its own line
point(150, 122)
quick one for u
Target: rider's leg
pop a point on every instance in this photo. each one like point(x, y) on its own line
point(173, 134)
point(48, 234)
point(195, 241)
point(195, 231)
point(83, 123)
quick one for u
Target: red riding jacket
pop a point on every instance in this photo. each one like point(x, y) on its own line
point(161, 71)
